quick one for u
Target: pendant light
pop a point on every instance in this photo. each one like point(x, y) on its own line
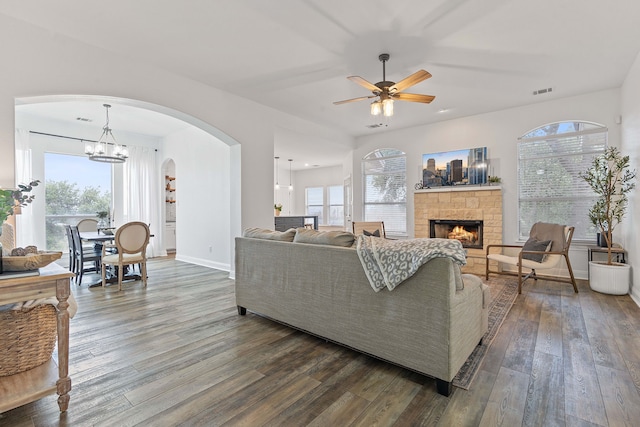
point(277, 174)
point(290, 184)
point(106, 149)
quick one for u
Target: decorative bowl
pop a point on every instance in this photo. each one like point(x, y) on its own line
point(29, 261)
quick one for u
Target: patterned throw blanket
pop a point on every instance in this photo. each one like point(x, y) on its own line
point(389, 262)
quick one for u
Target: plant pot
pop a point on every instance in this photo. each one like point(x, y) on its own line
point(276, 212)
point(609, 279)
point(602, 240)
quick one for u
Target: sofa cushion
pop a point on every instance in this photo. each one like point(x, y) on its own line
point(332, 238)
point(536, 245)
point(263, 233)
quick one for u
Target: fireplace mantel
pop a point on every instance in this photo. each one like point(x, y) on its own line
point(460, 188)
point(462, 203)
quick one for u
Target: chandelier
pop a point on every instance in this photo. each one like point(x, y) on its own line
point(106, 149)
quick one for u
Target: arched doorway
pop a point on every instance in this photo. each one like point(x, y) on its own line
point(211, 244)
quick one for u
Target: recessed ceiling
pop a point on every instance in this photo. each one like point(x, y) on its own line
point(91, 113)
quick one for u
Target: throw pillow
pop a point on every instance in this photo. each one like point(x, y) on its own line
point(536, 245)
point(263, 233)
point(332, 238)
point(374, 234)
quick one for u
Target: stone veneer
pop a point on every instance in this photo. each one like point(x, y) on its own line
point(480, 203)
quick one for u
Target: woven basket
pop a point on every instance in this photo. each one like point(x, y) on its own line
point(27, 338)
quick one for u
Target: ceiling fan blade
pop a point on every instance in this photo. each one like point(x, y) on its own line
point(413, 79)
point(346, 101)
point(365, 84)
point(413, 97)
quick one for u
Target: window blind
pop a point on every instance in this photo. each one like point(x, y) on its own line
point(385, 189)
point(315, 202)
point(550, 161)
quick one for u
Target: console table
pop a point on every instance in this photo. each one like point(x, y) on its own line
point(617, 252)
point(19, 389)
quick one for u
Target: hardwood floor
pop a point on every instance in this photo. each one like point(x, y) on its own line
point(178, 353)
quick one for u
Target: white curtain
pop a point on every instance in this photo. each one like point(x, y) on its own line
point(141, 192)
point(25, 222)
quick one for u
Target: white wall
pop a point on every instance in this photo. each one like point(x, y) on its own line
point(631, 147)
point(36, 62)
point(498, 131)
point(203, 198)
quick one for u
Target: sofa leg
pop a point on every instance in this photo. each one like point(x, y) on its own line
point(242, 311)
point(444, 387)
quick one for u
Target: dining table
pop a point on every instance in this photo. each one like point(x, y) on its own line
point(99, 239)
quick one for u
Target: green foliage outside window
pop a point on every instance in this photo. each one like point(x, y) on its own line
point(66, 199)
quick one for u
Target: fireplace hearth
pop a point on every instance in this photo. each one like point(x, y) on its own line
point(468, 232)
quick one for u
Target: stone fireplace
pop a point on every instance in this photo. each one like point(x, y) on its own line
point(471, 204)
point(469, 233)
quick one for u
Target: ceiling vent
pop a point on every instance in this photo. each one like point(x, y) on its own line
point(541, 91)
point(376, 125)
point(83, 119)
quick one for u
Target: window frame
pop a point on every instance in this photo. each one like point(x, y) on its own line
point(390, 220)
point(306, 202)
point(329, 205)
point(574, 153)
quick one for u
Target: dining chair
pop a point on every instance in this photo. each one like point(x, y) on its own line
point(72, 248)
point(83, 255)
point(130, 242)
point(87, 224)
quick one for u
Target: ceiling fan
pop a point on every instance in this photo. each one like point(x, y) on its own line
point(387, 91)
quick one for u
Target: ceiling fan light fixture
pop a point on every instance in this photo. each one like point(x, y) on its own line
point(387, 107)
point(376, 108)
point(386, 91)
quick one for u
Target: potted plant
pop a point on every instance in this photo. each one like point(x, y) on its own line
point(11, 201)
point(277, 209)
point(494, 180)
point(102, 218)
point(611, 179)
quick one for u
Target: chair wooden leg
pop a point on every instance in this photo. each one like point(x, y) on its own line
point(80, 273)
point(573, 279)
point(520, 278)
point(120, 273)
point(143, 271)
point(104, 274)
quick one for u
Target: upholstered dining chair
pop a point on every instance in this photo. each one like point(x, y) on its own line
point(87, 224)
point(547, 245)
point(130, 242)
point(369, 228)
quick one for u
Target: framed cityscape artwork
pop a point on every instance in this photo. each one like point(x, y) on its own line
point(461, 167)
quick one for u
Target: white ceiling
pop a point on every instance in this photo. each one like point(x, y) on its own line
point(295, 55)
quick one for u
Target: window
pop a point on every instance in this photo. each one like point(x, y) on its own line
point(550, 159)
point(75, 188)
point(385, 189)
point(314, 203)
point(336, 205)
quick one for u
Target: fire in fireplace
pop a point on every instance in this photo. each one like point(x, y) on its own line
point(469, 233)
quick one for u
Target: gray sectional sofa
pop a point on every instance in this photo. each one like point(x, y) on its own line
point(314, 281)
